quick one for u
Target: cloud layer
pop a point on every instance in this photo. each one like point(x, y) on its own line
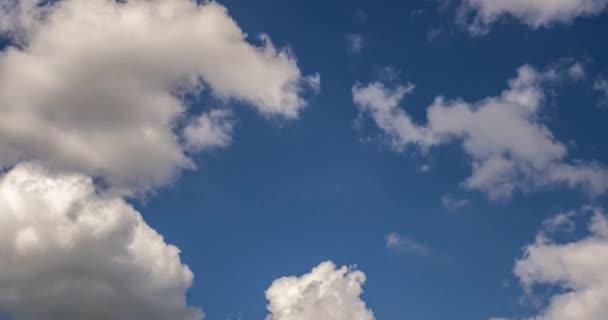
point(69, 253)
point(577, 268)
point(327, 293)
point(534, 13)
point(510, 148)
point(96, 86)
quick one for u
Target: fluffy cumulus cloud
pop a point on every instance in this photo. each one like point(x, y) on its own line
point(327, 293)
point(69, 253)
point(509, 146)
point(577, 268)
point(96, 86)
point(534, 13)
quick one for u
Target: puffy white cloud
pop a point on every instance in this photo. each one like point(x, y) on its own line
point(96, 86)
point(382, 104)
point(577, 269)
point(326, 293)
point(510, 148)
point(68, 253)
point(210, 130)
point(399, 243)
point(534, 13)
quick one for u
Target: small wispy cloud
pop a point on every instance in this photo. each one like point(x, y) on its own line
point(453, 204)
point(401, 244)
point(601, 86)
point(355, 43)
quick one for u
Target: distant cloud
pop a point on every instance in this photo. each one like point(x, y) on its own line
point(398, 243)
point(509, 147)
point(601, 86)
point(426, 168)
point(453, 204)
point(577, 269)
point(355, 43)
point(327, 293)
point(361, 16)
point(432, 34)
point(534, 13)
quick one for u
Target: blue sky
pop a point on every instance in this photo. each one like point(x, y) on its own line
point(287, 193)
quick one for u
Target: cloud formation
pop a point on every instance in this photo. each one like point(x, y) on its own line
point(401, 244)
point(509, 147)
point(355, 43)
point(534, 13)
point(327, 293)
point(577, 268)
point(601, 86)
point(69, 253)
point(96, 86)
point(453, 204)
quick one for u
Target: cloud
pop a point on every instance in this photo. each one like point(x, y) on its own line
point(209, 130)
point(68, 253)
point(97, 86)
point(576, 268)
point(355, 43)
point(509, 147)
point(601, 86)
point(396, 242)
point(327, 293)
point(453, 204)
point(534, 13)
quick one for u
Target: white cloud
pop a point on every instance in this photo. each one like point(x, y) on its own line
point(399, 243)
point(326, 293)
point(577, 269)
point(69, 253)
point(209, 130)
point(510, 148)
point(453, 204)
point(95, 85)
point(534, 13)
point(355, 43)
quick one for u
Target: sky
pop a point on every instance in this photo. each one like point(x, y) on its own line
point(303, 160)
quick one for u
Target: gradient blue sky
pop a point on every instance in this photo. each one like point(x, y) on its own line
point(286, 195)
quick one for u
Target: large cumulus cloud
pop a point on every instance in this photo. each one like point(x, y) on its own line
point(68, 253)
point(96, 86)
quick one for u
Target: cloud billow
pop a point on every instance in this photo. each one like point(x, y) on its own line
point(95, 86)
point(509, 147)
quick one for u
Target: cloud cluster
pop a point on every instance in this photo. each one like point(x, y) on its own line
point(96, 90)
point(96, 86)
point(509, 146)
point(327, 293)
point(69, 253)
point(577, 269)
point(534, 13)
